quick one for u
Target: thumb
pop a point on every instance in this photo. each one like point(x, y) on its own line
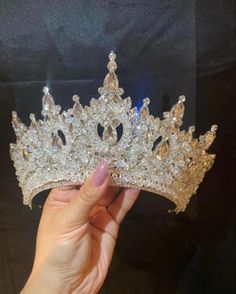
point(97, 184)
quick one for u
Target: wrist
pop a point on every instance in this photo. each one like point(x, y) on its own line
point(41, 283)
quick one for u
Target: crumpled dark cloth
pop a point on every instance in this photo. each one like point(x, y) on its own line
point(162, 48)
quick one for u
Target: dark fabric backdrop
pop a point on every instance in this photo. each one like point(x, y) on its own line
point(164, 49)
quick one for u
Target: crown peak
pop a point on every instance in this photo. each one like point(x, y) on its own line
point(214, 128)
point(112, 65)
point(45, 90)
point(112, 56)
point(182, 99)
point(111, 82)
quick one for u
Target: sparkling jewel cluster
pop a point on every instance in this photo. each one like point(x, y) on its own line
point(143, 152)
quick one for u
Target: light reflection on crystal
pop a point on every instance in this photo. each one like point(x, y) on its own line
point(25, 153)
point(161, 150)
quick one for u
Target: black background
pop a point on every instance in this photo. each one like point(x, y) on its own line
point(164, 49)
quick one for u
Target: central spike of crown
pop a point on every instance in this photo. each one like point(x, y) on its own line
point(111, 83)
point(143, 152)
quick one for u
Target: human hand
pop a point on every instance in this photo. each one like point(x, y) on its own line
point(77, 235)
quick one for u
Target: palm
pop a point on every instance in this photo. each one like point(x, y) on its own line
point(92, 248)
point(101, 250)
point(103, 229)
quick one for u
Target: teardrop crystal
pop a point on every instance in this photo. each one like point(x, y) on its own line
point(25, 153)
point(161, 150)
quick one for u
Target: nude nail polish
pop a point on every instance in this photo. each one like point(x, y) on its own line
point(100, 174)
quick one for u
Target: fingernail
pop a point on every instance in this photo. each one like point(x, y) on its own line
point(100, 174)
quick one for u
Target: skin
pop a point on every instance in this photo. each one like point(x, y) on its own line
point(77, 235)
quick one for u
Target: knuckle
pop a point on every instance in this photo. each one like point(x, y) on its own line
point(87, 194)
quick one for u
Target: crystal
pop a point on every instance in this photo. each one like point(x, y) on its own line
point(112, 56)
point(25, 153)
point(145, 110)
point(47, 103)
point(16, 122)
point(178, 112)
point(161, 150)
point(110, 135)
point(115, 123)
point(56, 141)
point(133, 115)
point(214, 128)
point(45, 90)
point(191, 129)
point(182, 98)
point(112, 66)
point(111, 82)
point(76, 99)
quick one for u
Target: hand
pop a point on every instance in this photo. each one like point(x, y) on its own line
point(77, 235)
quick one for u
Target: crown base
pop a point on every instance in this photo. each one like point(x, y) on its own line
point(175, 191)
point(28, 198)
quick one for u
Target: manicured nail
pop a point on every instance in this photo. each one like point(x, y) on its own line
point(100, 174)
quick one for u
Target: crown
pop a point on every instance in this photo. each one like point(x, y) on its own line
point(143, 152)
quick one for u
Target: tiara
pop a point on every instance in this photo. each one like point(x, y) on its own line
point(143, 152)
